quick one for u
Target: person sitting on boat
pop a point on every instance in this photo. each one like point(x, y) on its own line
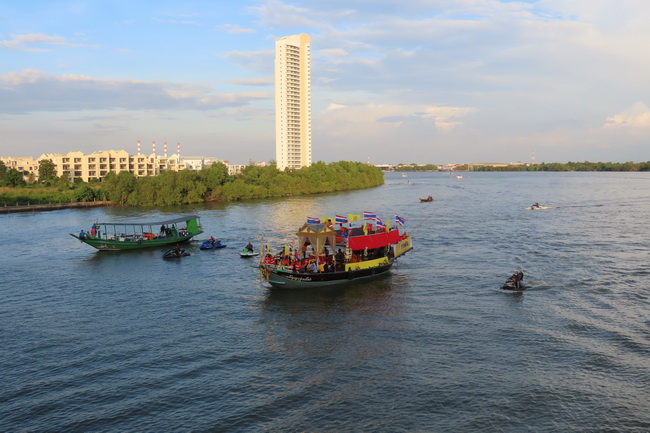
point(93, 231)
point(312, 267)
point(178, 250)
point(212, 240)
point(249, 247)
point(82, 235)
point(269, 260)
point(517, 278)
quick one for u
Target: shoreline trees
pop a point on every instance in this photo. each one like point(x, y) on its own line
point(207, 185)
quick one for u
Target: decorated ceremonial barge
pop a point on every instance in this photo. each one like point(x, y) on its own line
point(328, 255)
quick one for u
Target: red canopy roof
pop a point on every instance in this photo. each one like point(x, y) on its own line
point(374, 241)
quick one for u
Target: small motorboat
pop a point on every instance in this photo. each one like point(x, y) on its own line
point(212, 244)
point(537, 206)
point(245, 253)
point(515, 282)
point(175, 253)
point(425, 200)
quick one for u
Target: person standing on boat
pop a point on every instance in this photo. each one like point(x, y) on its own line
point(340, 260)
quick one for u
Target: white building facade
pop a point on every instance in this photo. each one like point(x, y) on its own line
point(96, 165)
point(293, 102)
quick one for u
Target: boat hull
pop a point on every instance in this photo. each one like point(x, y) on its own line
point(117, 245)
point(280, 279)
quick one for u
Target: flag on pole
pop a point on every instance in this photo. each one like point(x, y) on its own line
point(312, 220)
point(399, 220)
point(353, 217)
point(369, 215)
point(340, 219)
point(380, 224)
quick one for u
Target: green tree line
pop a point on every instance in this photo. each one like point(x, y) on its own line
point(569, 166)
point(186, 187)
point(214, 184)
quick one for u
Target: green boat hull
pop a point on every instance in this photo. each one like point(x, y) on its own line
point(117, 245)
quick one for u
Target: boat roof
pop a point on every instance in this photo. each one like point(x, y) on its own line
point(155, 223)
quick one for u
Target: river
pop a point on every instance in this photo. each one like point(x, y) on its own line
point(114, 342)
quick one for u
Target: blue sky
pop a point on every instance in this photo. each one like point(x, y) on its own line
point(421, 81)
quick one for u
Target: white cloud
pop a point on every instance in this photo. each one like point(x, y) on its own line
point(35, 42)
point(252, 81)
point(332, 52)
point(235, 29)
point(31, 91)
point(637, 116)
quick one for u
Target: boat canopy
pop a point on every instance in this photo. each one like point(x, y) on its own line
point(376, 240)
point(185, 218)
point(318, 235)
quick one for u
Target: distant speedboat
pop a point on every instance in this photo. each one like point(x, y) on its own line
point(424, 200)
point(459, 176)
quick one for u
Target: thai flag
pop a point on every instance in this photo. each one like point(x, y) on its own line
point(312, 220)
point(341, 219)
point(399, 220)
point(369, 215)
point(380, 224)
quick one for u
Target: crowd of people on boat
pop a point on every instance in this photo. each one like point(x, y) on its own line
point(305, 260)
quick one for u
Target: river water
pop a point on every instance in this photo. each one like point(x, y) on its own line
point(114, 342)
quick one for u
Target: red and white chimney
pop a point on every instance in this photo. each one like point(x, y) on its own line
point(178, 147)
point(153, 147)
point(138, 147)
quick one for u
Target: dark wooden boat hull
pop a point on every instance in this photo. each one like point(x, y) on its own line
point(292, 280)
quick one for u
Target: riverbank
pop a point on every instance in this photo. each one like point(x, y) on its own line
point(52, 206)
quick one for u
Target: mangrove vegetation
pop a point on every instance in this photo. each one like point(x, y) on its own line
point(188, 187)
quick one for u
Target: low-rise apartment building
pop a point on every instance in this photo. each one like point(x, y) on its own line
point(96, 165)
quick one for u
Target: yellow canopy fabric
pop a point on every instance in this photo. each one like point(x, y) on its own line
point(318, 236)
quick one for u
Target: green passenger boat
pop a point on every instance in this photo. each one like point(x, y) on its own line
point(134, 235)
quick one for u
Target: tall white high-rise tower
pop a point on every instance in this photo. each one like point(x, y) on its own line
point(293, 102)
